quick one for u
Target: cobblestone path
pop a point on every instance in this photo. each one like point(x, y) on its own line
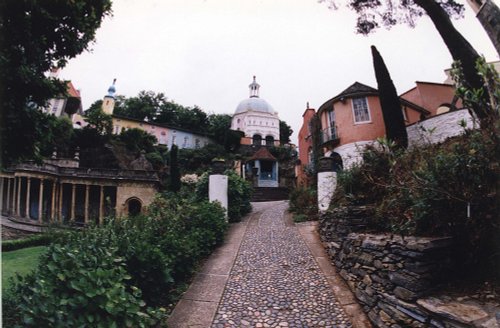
point(275, 281)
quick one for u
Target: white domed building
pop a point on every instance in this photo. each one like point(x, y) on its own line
point(260, 124)
point(257, 119)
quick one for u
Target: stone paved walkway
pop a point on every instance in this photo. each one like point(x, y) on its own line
point(269, 273)
point(275, 281)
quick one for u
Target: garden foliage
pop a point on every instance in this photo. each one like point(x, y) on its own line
point(35, 240)
point(239, 194)
point(304, 203)
point(445, 189)
point(119, 274)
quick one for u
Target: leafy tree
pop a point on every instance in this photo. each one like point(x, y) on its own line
point(285, 132)
point(175, 175)
point(192, 119)
point(374, 13)
point(100, 121)
point(218, 124)
point(168, 113)
point(35, 36)
point(144, 106)
point(391, 107)
point(137, 140)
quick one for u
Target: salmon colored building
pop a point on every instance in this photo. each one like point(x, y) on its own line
point(353, 119)
point(438, 98)
point(302, 169)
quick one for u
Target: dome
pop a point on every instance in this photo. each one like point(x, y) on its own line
point(254, 104)
point(112, 89)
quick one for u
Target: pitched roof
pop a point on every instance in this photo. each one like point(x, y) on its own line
point(358, 89)
point(355, 90)
point(263, 153)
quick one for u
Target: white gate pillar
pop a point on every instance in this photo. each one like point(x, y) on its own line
point(327, 182)
point(218, 185)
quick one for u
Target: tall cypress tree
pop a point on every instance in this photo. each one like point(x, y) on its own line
point(391, 107)
point(175, 175)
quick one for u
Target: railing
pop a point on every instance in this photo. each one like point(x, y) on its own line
point(329, 134)
point(89, 172)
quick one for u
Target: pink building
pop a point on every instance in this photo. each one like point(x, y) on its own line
point(305, 148)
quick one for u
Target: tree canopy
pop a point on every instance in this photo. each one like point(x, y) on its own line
point(394, 122)
point(285, 132)
point(36, 36)
point(373, 14)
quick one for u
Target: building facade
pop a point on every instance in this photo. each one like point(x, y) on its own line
point(303, 169)
point(64, 105)
point(58, 191)
point(257, 119)
point(165, 134)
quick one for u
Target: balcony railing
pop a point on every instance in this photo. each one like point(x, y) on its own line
point(329, 135)
point(89, 172)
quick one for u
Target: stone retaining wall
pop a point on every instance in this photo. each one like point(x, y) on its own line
point(438, 128)
point(391, 276)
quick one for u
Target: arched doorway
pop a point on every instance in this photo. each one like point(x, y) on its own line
point(338, 164)
point(134, 207)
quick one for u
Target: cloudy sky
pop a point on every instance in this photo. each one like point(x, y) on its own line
point(205, 52)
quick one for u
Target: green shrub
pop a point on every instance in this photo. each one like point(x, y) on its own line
point(80, 283)
point(304, 201)
point(445, 189)
point(239, 194)
point(35, 240)
point(297, 218)
point(115, 274)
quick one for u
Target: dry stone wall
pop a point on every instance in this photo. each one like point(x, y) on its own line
point(391, 276)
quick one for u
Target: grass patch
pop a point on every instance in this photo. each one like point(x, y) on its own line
point(20, 261)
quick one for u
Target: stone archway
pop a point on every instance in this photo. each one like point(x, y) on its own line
point(134, 206)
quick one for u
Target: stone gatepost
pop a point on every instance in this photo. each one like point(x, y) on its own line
point(327, 182)
point(218, 185)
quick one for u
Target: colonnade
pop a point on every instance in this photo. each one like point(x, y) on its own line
point(47, 199)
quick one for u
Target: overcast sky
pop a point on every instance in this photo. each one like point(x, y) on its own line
point(205, 52)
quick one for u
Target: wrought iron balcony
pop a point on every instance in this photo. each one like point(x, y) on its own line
point(329, 136)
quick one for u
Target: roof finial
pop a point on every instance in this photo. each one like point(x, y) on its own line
point(307, 105)
point(112, 89)
point(254, 89)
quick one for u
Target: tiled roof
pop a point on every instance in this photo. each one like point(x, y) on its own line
point(357, 89)
point(264, 154)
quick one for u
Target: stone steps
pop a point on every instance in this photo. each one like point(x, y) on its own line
point(265, 194)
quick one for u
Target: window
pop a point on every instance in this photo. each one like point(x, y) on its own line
point(184, 145)
point(360, 109)
point(331, 118)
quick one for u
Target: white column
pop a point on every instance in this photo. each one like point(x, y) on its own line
point(217, 189)
point(87, 193)
point(53, 202)
point(8, 196)
point(14, 198)
point(28, 192)
point(60, 201)
point(101, 204)
point(2, 182)
point(73, 201)
point(327, 182)
point(40, 201)
point(18, 202)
